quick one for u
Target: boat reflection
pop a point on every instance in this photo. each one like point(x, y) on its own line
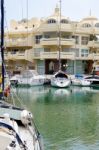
point(31, 93)
point(84, 90)
point(60, 92)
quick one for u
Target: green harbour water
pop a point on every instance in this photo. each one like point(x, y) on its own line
point(68, 119)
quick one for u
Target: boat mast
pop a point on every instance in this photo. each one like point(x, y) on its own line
point(2, 41)
point(60, 37)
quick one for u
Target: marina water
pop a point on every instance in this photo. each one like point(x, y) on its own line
point(68, 119)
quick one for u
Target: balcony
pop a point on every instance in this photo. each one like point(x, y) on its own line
point(94, 56)
point(22, 55)
point(53, 55)
point(15, 43)
point(93, 44)
point(91, 56)
point(16, 56)
point(55, 28)
point(55, 42)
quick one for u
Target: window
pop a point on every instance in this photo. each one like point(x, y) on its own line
point(51, 21)
point(14, 51)
point(97, 25)
point(76, 39)
point(46, 36)
point(37, 39)
point(84, 40)
point(64, 21)
point(84, 52)
point(86, 25)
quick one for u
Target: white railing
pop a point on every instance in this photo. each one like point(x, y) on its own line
point(55, 41)
point(18, 42)
point(53, 55)
point(93, 44)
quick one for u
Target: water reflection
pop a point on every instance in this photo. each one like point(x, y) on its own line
point(68, 119)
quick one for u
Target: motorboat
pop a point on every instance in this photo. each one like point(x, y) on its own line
point(93, 79)
point(79, 80)
point(28, 77)
point(60, 79)
point(17, 128)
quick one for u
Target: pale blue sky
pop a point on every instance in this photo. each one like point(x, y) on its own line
point(74, 9)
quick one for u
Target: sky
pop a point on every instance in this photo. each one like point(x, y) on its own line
point(74, 9)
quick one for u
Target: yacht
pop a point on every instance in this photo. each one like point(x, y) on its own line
point(79, 80)
point(93, 79)
point(28, 78)
point(60, 79)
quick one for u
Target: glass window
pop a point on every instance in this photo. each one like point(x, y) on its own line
point(84, 40)
point(14, 51)
point(84, 52)
point(64, 21)
point(51, 21)
point(86, 25)
point(97, 25)
point(37, 39)
point(76, 39)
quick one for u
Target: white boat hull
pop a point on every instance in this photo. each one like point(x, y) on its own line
point(60, 82)
point(80, 82)
point(29, 77)
point(30, 82)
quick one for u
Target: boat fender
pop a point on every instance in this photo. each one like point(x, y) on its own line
point(26, 117)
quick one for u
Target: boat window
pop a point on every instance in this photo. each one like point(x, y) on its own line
point(29, 74)
point(61, 75)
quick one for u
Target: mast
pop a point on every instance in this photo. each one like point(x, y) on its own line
point(60, 37)
point(2, 41)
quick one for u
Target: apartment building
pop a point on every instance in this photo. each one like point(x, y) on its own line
point(35, 44)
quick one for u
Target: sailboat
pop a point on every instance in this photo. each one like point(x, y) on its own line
point(17, 127)
point(60, 79)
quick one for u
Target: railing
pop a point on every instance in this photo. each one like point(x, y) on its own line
point(18, 43)
point(55, 41)
point(15, 56)
point(64, 55)
point(91, 56)
point(55, 27)
point(53, 55)
point(93, 44)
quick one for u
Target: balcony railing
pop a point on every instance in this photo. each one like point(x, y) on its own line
point(55, 41)
point(18, 43)
point(18, 56)
point(55, 28)
point(64, 55)
point(53, 55)
point(93, 44)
